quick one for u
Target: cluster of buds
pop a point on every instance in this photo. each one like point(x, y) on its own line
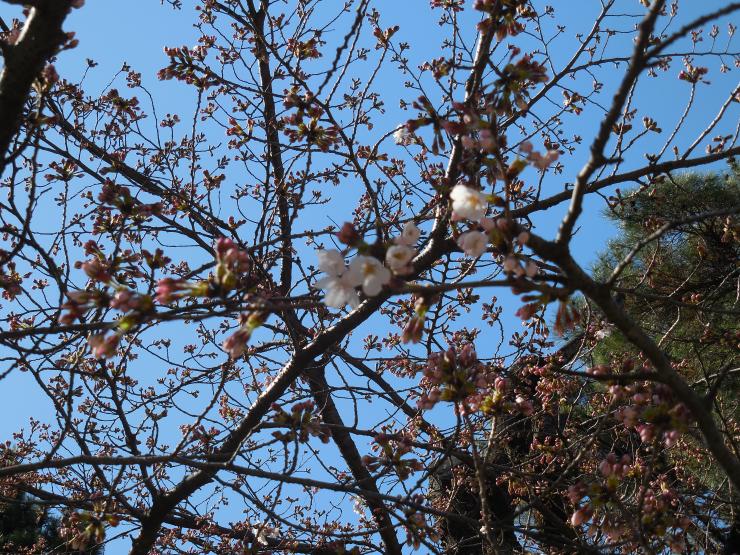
point(183, 66)
point(615, 469)
point(65, 171)
point(504, 16)
point(120, 197)
point(303, 124)
point(302, 422)
point(126, 300)
point(454, 376)
point(104, 346)
point(135, 308)
point(652, 412)
point(10, 280)
point(414, 328)
point(311, 132)
point(231, 263)
point(539, 161)
point(171, 289)
point(304, 49)
point(429, 116)
point(391, 450)
point(97, 269)
point(417, 529)
point(304, 105)
point(85, 529)
point(452, 5)
point(241, 134)
point(580, 490)
point(236, 344)
point(79, 302)
point(495, 400)
point(475, 132)
point(516, 78)
point(348, 235)
point(155, 260)
point(693, 74)
point(566, 317)
point(659, 509)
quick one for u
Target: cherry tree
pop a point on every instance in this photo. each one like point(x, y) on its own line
point(342, 303)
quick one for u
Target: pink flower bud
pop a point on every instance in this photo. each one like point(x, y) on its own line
point(646, 433)
point(236, 344)
point(223, 244)
point(606, 468)
point(531, 268)
point(524, 405)
point(500, 384)
point(580, 516)
point(96, 270)
point(348, 235)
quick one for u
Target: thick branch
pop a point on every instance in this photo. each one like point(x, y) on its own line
point(343, 440)
point(39, 40)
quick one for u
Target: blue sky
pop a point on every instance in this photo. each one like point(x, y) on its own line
point(135, 32)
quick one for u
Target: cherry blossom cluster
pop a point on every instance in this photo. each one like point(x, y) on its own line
point(302, 422)
point(364, 271)
point(471, 204)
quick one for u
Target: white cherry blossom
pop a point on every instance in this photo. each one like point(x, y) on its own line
point(409, 236)
point(468, 203)
point(331, 262)
point(473, 243)
point(511, 265)
point(371, 273)
point(402, 136)
point(398, 257)
point(339, 291)
point(340, 283)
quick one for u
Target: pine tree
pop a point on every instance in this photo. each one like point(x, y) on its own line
point(683, 286)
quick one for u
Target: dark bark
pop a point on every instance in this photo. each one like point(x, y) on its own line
point(39, 40)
